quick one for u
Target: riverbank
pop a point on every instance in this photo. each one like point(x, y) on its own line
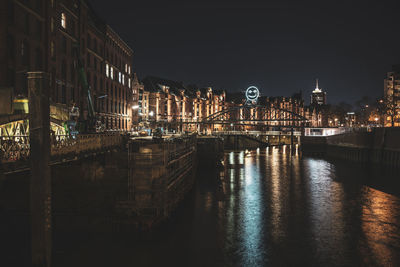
point(380, 146)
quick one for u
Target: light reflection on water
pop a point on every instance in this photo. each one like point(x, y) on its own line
point(294, 211)
point(276, 209)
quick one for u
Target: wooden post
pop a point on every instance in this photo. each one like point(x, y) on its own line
point(40, 185)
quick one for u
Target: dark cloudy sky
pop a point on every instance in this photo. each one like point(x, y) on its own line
point(279, 46)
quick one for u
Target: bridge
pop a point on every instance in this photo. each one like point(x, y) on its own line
point(257, 115)
point(267, 125)
point(241, 118)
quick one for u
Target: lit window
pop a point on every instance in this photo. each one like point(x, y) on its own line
point(52, 49)
point(129, 69)
point(129, 82)
point(126, 67)
point(123, 79)
point(119, 77)
point(107, 70)
point(112, 72)
point(63, 21)
point(52, 25)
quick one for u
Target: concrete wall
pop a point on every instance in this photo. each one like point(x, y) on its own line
point(382, 146)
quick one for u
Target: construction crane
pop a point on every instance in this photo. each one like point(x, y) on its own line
point(79, 120)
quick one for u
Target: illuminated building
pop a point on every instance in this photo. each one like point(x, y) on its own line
point(53, 36)
point(392, 96)
point(318, 97)
point(175, 106)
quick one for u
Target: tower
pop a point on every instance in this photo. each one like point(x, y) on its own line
point(318, 97)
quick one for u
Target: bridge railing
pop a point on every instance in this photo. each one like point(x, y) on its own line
point(16, 148)
point(297, 133)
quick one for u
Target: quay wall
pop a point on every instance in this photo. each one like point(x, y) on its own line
point(249, 141)
point(380, 146)
point(111, 191)
point(160, 176)
point(210, 151)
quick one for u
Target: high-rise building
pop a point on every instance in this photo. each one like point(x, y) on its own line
point(392, 96)
point(318, 97)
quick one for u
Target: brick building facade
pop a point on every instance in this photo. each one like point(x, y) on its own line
point(54, 36)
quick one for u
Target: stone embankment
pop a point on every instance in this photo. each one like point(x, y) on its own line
point(381, 146)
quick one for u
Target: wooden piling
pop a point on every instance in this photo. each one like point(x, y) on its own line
point(40, 184)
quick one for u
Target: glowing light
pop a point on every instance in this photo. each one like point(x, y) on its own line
point(252, 94)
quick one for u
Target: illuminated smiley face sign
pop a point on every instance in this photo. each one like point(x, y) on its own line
point(252, 94)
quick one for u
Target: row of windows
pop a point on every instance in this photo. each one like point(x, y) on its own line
point(120, 77)
point(115, 59)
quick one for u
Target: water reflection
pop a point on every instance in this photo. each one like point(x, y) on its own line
point(287, 210)
point(380, 228)
point(276, 209)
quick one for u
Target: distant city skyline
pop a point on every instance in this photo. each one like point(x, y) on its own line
point(279, 47)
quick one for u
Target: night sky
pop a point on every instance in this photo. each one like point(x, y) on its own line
point(279, 46)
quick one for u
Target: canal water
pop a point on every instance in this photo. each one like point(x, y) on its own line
point(265, 207)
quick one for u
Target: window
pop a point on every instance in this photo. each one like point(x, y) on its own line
point(73, 73)
point(39, 7)
point(112, 73)
point(129, 82)
point(64, 45)
point(107, 70)
point(89, 43)
point(64, 78)
point(119, 77)
point(72, 27)
point(63, 21)
point(25, 53)
point(83, 46)
point(88, 60)
point(52, 24)
point(10, 46)
point(38, 30)
point(126, 67)
point(64, 71)
point(123, 79)
point(52, 50)
point(95, 83)
point(26, 26)
point(94, 44)
point(38, 59)
point(11, 12)
point(129, 70)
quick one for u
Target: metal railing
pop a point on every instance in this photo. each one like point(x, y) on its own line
point(296, 133)
point(16, 148)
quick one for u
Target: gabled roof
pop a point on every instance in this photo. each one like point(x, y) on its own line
point(154, 84)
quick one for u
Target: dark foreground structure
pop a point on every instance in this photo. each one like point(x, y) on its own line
point(264, 207)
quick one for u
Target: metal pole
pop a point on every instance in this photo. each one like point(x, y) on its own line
point(40, 185)
point(292, 142)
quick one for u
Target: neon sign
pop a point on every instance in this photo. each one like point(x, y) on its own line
point(252, 94)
